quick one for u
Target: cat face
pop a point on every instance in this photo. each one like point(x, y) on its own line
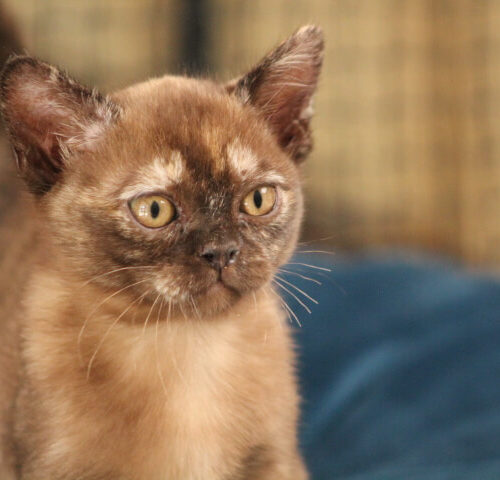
point(176, 189)
point(189, 157)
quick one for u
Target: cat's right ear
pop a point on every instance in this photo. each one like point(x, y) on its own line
point(49, 116)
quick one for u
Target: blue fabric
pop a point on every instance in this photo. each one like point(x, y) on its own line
point(399, 368)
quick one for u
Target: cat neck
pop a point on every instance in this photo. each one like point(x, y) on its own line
point(93, 332)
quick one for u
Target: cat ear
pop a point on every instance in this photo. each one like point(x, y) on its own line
point(282, 85)
point(49, 116)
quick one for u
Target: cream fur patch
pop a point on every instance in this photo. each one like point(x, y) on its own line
point(241, 159)
point(158, 175)
point(244, 162)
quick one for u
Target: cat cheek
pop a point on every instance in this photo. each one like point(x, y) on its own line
point(169, 290)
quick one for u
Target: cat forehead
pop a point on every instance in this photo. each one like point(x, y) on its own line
point(240, 162)
point(244, 163)
point(193, 129)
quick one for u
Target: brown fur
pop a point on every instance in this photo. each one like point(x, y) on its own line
point(125, 354)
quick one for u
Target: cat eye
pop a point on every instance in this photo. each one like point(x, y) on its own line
point(259, 201)
point(153, 211)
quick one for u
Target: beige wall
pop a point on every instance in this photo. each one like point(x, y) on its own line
point(109, 43)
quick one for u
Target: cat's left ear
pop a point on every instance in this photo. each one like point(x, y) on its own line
point(282, 85)
point(49, 116)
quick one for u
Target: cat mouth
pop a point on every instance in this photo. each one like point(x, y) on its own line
point(220, 284)
point(216, 296)
point(217, 286)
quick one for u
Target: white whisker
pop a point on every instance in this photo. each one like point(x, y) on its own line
point(182, 311)
point(310, 266)
point(254, 302)
point(298, 290)
point(116, 270)
point(139, 304)
point(317, 240)
point(99, 345)
point(282, 270)
point(158, 367)
point(173, 357)
point(317, 251)
point(80, 334)
point(306, 308)
point(149, 314)
point(195, 307)
point(290, 311)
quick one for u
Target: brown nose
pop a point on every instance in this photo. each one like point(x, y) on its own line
point(220, 256)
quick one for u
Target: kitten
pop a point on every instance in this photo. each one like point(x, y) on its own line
point(141, 338)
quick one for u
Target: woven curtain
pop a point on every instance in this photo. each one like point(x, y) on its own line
point(407, 136)
point(110, 43)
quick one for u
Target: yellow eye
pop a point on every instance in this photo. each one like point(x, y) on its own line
point(152, 211)
point(260, 201)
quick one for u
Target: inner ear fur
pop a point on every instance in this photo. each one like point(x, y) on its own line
point(49, 116)
point(281, 86)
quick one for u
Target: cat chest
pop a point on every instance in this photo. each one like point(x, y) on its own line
point(183, 414)
point(189, 437)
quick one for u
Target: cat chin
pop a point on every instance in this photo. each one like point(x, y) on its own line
point(217, 298)
point(210, 295)
point(221, 295)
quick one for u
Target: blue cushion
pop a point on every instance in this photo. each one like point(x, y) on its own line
point(399, 368)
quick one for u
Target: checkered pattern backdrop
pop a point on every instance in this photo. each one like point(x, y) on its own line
point(407, 136)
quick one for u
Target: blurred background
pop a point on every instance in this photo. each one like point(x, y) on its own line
point(407, 114)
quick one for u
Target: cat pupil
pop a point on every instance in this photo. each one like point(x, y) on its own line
point(155, 209)
point(257, 199)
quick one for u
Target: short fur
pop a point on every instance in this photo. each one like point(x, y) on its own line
point(125, 354)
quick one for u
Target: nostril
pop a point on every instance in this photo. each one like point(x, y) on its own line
point(220, 257)
point(209, 256)
point(232, 254)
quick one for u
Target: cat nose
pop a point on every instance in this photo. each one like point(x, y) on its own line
point(220, 256)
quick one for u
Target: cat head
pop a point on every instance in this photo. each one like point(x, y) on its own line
point(175, 188)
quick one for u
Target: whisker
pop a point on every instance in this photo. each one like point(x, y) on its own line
point(173, 357)
point(337, 284)
point(298, 290)
point(195, 307)
point(140, 303)
point(289, 311)
point(282, 270)
point(282, 302)
point(254, 301)
point(80, 334)
point(158, 368)
point(317, 251)
point(114, 271)
point(323, 239)
point(169, 310)
point(91, 361)
point(307, 309)
point(182, 311)
point(272, 295)
point(149, 314)
point(331, 281)
point(310, 266)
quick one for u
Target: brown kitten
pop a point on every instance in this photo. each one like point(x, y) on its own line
point(141, 338)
